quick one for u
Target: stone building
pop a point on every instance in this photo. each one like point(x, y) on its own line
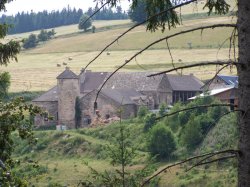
point(127, 91)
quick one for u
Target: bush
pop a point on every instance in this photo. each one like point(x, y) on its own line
point(191, 135)
point(161, 142)
point(149, 121)
point(142, 112)
point(30, 42)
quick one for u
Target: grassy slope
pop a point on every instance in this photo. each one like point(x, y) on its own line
point(37, 68)
point(61, 157)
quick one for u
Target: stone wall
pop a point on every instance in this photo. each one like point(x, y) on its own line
point(51, 108)
point(68, 90)
point(106, 107)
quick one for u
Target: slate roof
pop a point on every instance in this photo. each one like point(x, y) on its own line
point(136, 80)
point(67, 74)
point(92, 80)
point(49, 96)
point(229, 80)
point(184, 82)
point(122, 96)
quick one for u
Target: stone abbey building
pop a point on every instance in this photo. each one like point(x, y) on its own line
point(128, 91)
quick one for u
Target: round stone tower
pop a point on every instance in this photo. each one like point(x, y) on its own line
point(68, 90)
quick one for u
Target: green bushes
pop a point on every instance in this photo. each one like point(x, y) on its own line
point(142, 112)
point(161, 142)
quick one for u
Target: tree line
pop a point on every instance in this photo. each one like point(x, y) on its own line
point(30, 21)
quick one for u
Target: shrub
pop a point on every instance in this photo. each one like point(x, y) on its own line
point(161, 142)
point(142, 112)
point(149, 121)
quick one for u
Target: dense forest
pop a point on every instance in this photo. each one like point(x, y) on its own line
point(30, 21)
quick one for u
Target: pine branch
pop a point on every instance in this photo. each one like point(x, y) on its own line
point(194, 107)
point(137, 25)
point(186, 160)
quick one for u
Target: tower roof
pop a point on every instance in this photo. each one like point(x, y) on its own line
point(67, 74)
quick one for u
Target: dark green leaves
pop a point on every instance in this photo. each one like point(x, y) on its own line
point(217, 6)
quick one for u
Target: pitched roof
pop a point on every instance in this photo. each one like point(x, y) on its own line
point(122, 96)
point(50, 95)
point(92, 80)
point(184, 82)
point(213, 92)
point(67, 74)
point(136, 80)
point(230, 80)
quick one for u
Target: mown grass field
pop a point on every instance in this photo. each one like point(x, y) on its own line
point(37, 68)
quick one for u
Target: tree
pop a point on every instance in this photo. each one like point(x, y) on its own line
point(149, 121)
point(30, 42)
point(43, 35)
point(14, 115)
point(83, 24)
point(138, 13)
point(4, 84)
point(161, 142)
point(161, 14)
point(142, 112)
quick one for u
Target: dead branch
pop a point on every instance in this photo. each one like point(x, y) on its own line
point(137, 25)
point(211, 80)
point(186, 160)
point(218, 159)
point(96, 12)
point(195, 65)
point(194, 107)
point(201, 162)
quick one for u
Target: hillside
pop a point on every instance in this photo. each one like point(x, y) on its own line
point(37, 68)
point(60, 157)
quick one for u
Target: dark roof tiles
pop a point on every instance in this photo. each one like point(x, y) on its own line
point(184, 82)
point(67, 74)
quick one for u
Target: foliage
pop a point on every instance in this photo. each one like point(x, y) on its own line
point(161, 142)
point(162, 109)
point(30, 42)
point(149, 121)
point(138, 13)
point(31, 21)
point(191, 135)
point(93, 29)
point(121, 154)
point(13, 119)
point(142, 112)
point(4, 84)
point(45, 35)
point(86, 25)
point(10, 49)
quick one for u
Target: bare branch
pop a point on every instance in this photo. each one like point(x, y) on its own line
point(137, 25)
point(201, 162)
point(211, 80)
point(186, 160)
point(194, 65)
point(96, 11)
point(194, 107)
point(218, 159)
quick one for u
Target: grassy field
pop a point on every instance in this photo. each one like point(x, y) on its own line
point(37, 68)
